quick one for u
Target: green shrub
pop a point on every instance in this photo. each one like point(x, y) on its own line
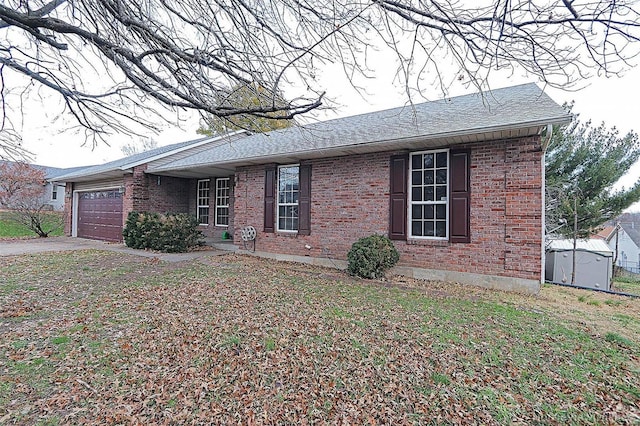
point(371, 256)
point(169, 233)
point(139, 229)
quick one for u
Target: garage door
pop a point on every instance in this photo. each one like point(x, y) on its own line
point(100, 215)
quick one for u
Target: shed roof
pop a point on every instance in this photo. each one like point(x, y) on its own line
point(512, 112)
point(592, 245)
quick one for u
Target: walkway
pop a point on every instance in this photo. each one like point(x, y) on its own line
point(52, 244)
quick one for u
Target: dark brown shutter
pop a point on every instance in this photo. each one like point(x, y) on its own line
point(460, 203)
point(304, 200)
point(398, 197)
point(269, 198)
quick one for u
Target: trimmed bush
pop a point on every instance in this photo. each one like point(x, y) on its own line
point(371, 256)
point(169, 233)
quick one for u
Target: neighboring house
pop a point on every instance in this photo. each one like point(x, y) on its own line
point(606, 233)
point(456, 183)
point(624, 241)
point(54, 191)
point(53, 196)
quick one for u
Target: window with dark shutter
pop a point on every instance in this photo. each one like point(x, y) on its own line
point(460, 198)
point(398, 197)
point(428, 194)
point(288, 194)
point(304, 200)
point(269, 198)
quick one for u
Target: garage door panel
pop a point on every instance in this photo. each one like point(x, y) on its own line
point(100, 215)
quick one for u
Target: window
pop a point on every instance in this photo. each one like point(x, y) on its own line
point(54, 194)
point(287, 198)
point(203, 201)
point(428, 192)
point(288, 191)
point(222, 202)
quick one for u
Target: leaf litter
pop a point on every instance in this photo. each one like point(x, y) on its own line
point(103, 338)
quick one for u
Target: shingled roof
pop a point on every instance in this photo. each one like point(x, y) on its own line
point(633, 233)
point(512, 112)
point(50, 172)
point(125, 164)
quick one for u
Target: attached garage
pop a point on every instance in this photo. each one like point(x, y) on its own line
point(98, 198)
point(99, 215)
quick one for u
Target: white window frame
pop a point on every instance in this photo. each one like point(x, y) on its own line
point(278, 203)
point(54, 192)
point(200, 199)
point(220, 198)
point(411, 202)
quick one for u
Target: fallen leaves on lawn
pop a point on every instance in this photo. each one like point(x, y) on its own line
point(19, 308)
point(238, 340)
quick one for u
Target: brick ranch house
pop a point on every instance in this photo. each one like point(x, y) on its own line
point(457, 184)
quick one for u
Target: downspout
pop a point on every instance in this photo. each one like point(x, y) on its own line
point(615, 259)
point(544, 145)
point(547, 138)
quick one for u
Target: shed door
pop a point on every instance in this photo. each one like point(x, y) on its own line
point(100, 215)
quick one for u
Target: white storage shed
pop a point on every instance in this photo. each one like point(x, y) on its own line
point(594, 263)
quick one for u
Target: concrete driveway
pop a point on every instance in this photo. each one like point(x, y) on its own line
point(52, 244)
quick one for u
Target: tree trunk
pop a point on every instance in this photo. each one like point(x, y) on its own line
point(575, 240)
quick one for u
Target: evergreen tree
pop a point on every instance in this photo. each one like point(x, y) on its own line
point(583, 165)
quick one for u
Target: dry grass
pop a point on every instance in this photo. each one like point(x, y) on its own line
point(104, 338)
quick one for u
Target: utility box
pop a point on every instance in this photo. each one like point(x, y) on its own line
point(594, 263)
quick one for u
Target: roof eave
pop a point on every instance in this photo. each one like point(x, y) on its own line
point(126, 168)
point(535, 127)
point(106, 174)
point(181, 149)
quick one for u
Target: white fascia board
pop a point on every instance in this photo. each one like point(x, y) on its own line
point(181, 149)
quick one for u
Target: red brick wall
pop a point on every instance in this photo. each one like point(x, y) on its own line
point(350, 200)
point(144, 192)
point(68, 207)
point(168, 194)
point(136, 193)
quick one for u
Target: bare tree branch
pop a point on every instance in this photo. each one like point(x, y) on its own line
point(105, 58)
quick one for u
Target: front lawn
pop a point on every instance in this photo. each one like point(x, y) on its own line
point(104, 338)
point(9, 228)
point(627, 284)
